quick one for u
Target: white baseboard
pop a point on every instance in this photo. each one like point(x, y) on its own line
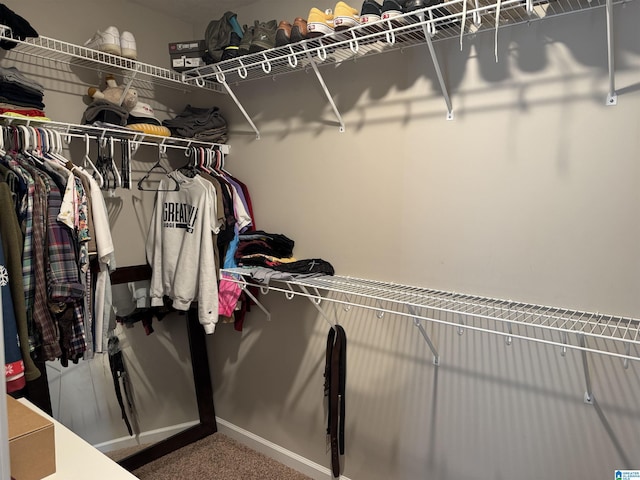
point(144, 438)
point(270, 449)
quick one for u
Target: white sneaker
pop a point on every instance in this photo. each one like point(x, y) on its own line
point(128, 45)
point(107, 41)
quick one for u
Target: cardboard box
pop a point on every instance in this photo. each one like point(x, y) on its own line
point(190, 46)
point(187, 55)
point(184, 62)
point(31, 442)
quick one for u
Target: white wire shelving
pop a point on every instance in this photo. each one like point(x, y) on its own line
point(443, 21)
point(451, 19)
point(611, 335)
point(137, 73)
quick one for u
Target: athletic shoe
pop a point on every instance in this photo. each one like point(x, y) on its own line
point(319, 23)
point(371, 11)
point(107, 41)
point(247, 37)
point(298, 30)
point(345, 17)
point(264, 36)
point(392, 8)
point(283, 34)
point(128, 45)
point(413, 5)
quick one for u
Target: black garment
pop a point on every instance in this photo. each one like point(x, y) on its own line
point(335, 379)
point(118, 372)
point(20, 28)
point(311, 265)
point(104, 111)
point(279, 245)
point(15, 94)
point(227, 232)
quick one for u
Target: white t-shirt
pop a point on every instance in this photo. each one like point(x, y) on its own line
point(106, 261)
point(180, 246)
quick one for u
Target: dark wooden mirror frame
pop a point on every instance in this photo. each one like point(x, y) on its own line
point(201, 377)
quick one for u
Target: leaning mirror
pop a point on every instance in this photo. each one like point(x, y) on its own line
point(149, 392)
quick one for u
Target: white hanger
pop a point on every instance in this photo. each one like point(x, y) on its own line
point(116, 172)
point(56, 148)
point(87, 160)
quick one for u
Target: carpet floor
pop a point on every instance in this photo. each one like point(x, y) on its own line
point(217, 457)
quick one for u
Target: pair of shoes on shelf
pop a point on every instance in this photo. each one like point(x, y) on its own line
point(258, 37)
point(291, 33)
point(394, 8)
point(342, 17)
point(113, 42)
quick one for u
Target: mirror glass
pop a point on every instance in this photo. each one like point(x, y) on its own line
point(149, 364)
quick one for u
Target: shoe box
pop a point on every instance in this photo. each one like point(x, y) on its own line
point(187, 55)
point(32, 449)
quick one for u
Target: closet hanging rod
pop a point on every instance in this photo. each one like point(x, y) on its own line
point(71, 130)
point(608, 334)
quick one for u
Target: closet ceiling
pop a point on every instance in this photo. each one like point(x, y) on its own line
point(193, 11)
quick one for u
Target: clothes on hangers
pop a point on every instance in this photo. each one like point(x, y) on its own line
point(49, 202)
point(14, 366)
point(12, 241)
point(232, 215)
point(180, 247)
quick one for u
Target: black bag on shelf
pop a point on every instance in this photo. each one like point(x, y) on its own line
point(217, 37)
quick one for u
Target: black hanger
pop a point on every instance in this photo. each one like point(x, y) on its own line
point(190, 169)
point(158, 166)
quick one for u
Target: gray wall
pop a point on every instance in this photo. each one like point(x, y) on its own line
point(529, 194)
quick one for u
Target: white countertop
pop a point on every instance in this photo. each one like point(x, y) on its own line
point(78, 460)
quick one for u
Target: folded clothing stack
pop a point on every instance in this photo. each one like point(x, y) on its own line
point(272, 253)
point(204, 124)
point(259, 248)
point(19, 95)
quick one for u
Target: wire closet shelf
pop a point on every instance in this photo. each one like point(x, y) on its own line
point(451, 19)
point(611, 335)
point(51, 50)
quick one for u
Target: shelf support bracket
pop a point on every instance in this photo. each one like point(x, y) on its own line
point(588, 395)
point(222, 80)
point(436, 65)
point(243, 285)
point(425, 335)
point(612, 97)
point(627, 351)
point(315, 301)
point(128, 82)
point(324, 87)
